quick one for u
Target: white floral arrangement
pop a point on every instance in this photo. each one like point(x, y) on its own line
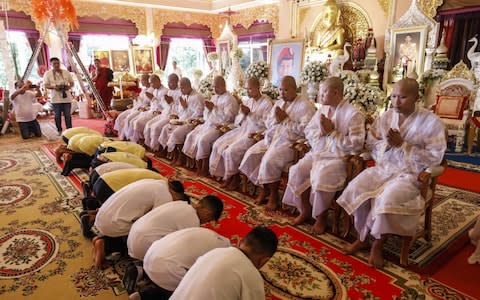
point(205, 88)
point(212, 56)
point(237, 53)
point(258, 70)
point(428, 77)
point(368, 98)
point(314, 71)
point(348, 77)
point(270, 91)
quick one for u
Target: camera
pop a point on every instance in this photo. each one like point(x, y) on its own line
point(63, 89)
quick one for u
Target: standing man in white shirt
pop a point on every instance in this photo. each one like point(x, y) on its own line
point(25, 114)
point(59, 82)
point(176, 69)
point(230, 273)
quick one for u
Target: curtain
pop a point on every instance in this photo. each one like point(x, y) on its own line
point(209, 46)
point(75, 40)
point(42, 56)
point(164, 47)
point(459, 28)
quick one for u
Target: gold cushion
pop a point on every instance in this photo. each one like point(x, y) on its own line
point(450, 107)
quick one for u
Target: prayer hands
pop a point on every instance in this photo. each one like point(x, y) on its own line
point(173, 117)
point(209, 105)
point(394, 138)
point(183, 102)
point(149, 95)
point(327, 124)
point(280, 114)
point(245, 109)
point(168, 99)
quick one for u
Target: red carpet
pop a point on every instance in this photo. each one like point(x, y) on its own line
point(461, 179)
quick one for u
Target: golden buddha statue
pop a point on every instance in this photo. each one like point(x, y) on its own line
point(329, 34)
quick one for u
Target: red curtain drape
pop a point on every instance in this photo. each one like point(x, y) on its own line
point(459, 28)
point(42, 56)
point(163, 55)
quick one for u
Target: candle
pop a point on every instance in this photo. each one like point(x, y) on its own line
point(121, 89)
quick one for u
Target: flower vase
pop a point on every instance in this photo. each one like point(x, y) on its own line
point(312, 90)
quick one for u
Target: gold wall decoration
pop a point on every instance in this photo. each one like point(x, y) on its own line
point(460, 70)
point(429, 7)
point(163, 17)
point(107, 11)
point(247, 16)
point(385, 5)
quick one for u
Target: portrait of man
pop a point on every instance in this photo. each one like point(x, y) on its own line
point(286, 60)
point(120, 61)
point(224, 56)
point(407, 50)
point(143, 60)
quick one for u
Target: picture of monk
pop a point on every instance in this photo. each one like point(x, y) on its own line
point(143, 60)
point(120, 61)
point(103, 56)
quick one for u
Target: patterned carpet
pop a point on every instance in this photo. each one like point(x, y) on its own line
point(42, 249)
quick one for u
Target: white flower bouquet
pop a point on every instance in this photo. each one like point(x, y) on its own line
point(270, 91)
point(368, 98)
point(428, 77)
point(258, 70)
point(237, 53)
point(205, 88)
point(314, 71)
point(212, 56)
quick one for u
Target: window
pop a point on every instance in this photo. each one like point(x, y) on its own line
point(253, 51)
point(189, 55)
point(93, 42)
point(21, 53)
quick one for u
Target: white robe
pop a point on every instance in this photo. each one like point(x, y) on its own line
point(228, 150)
point(154, 127)
point(172, 134)
point(116, 216)
point(324, 168)
point(264, 162)
point(198, 142)
point(124, 125)
point(159, 222)
point(221, 274)
point(386, 198)
point(169, 258)
point(141, 120)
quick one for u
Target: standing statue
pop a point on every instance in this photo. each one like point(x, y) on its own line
point(329, 35)
point(474, 57)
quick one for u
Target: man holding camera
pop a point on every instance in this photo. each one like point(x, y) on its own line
point(59, 82)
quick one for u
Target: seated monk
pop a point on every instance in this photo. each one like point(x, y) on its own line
point(385, 199)
point(190, 108)
point(221, 110)
point(264, 162)
point(337, 129)
point(228, 150)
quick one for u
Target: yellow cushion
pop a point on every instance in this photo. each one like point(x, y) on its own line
point(122, 146)
point(125, 157)
point(76, 130)
point(120, 178)
point(89, 144)
point(450, 107)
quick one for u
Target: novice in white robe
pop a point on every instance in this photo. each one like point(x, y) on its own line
point(228, 150)
point(385, 199)
point(143, 105)
point(174, 134)
point(154, 127)
point(324, 168)
point(120, 121)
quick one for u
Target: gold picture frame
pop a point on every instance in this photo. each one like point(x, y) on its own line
point(143, 60)
point(286, 58)
point(408, 49)
point(103, 56)
point(120, 60)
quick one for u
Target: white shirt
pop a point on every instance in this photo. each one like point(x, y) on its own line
point(178, 71)
point(113, 166)
point(158, 223)
point(23, 107)
point(54, 78)
point(221, 274)
point(116, 216)
point(169, 258)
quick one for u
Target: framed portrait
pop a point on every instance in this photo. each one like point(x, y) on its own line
point(224, 55)
point(286, 58)
point(408, 49)
point(103, 56)
point(143, 60)
point(120, 61)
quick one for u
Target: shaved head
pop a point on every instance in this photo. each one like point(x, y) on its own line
point(185, 86)
point(253, 88)
point(219, 85)
point(335, 83)
point(253, 82)
point(404, 96)
point(410, 85)
point(289, 81)
point(288, 88)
